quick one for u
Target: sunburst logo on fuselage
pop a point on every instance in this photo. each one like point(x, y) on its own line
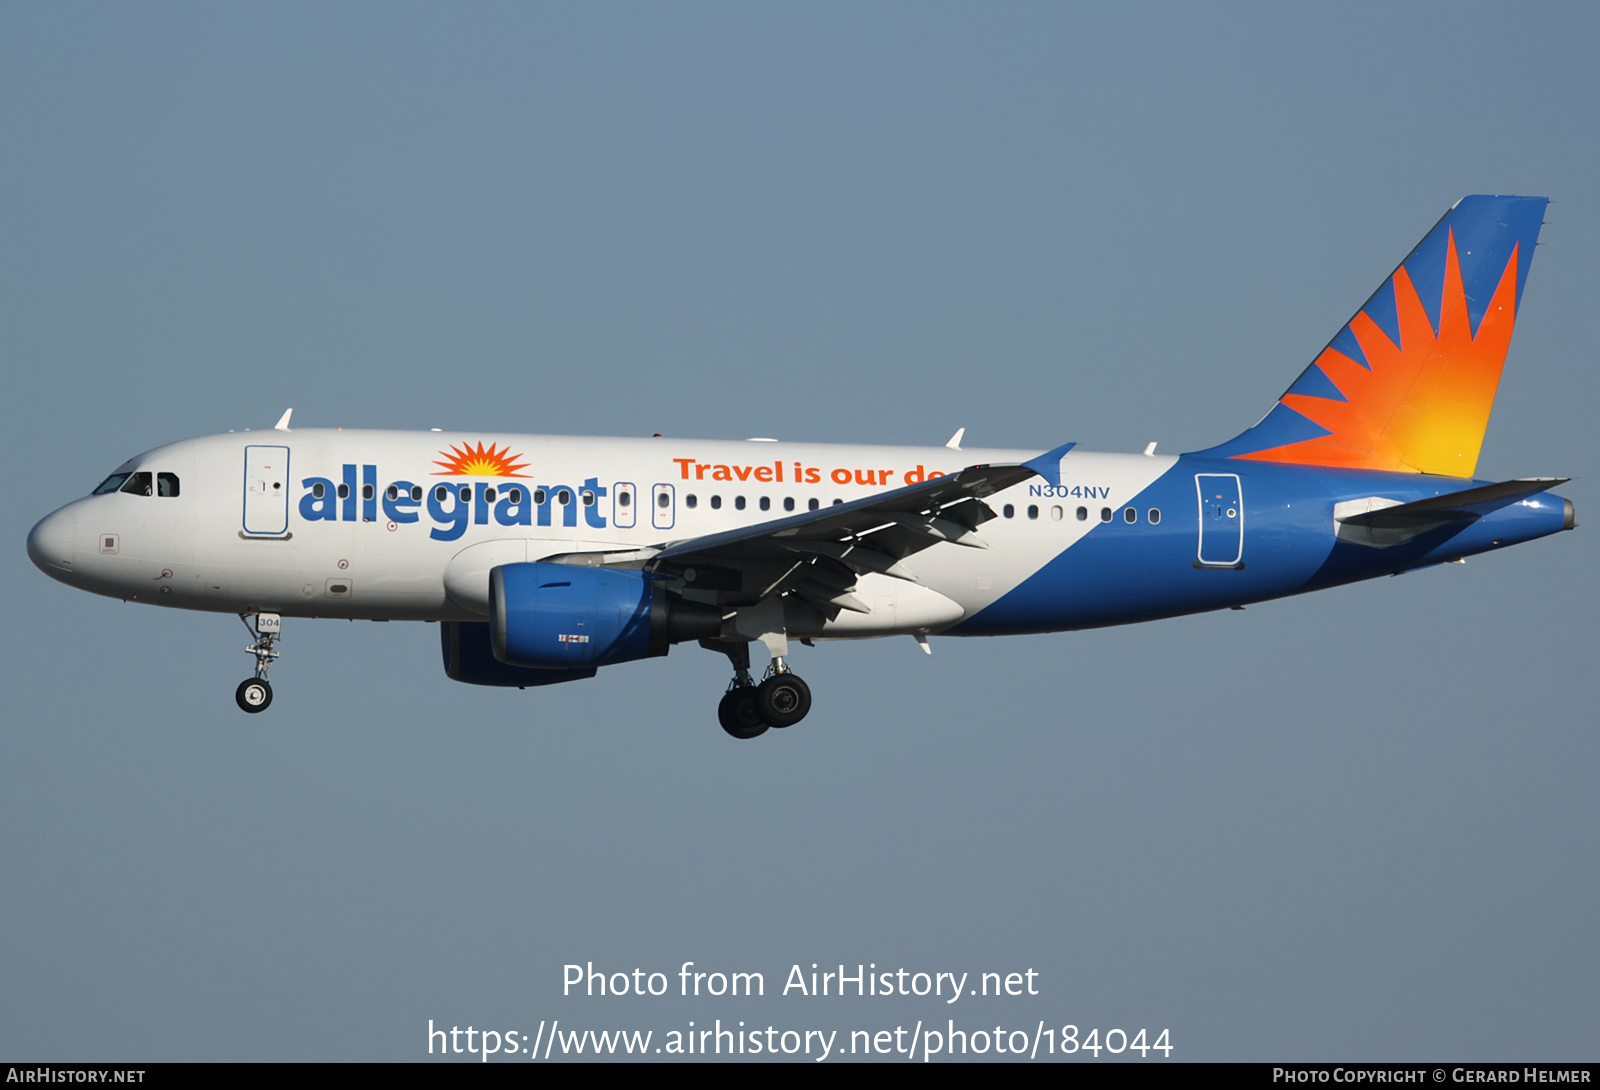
point(479, 461)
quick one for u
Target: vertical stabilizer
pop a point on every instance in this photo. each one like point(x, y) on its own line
point(1407, 384)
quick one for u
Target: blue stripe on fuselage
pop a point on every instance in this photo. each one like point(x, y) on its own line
point(1120, 572)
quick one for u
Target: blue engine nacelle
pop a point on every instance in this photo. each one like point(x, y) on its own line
point(469, 657)
point(566, 617)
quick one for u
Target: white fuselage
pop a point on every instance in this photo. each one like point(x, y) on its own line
point(373, 524)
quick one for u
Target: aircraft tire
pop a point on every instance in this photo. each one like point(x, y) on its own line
point(739, 715)
point(783, 700)
point(253, 695)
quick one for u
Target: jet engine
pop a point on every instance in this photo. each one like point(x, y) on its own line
point(568, 617)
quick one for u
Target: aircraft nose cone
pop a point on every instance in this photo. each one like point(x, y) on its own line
point(50, 543)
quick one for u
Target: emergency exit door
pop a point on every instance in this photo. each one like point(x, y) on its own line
point(663, 504)
point(622, 505)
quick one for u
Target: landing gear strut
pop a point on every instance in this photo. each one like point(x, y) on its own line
point(748, 709)
point(254, 694)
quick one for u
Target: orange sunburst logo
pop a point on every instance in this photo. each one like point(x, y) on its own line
point(479, 461)
point(1423, 405)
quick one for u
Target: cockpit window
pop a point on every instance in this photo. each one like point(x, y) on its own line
point(166, 484)
point(138, 485)
point(110, 484)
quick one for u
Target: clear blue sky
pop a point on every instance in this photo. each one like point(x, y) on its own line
point(1356, 824)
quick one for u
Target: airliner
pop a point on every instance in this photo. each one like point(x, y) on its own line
point(544, 558)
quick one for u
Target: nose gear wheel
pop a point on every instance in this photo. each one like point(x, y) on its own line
point(254, 694)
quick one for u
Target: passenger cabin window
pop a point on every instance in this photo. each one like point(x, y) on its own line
point(1105, 514)
point(766, 503)
point(1009, 511)
point(813, 504)
point(788, 503)
point(466, 493)
point(664, 500)
point(1033, 510)
point(344, 491)
point(1130, 516)
point(1154, 515)
point(1083, 514)
point(366, 492)
point(319, 490)
point(110, 484)
point(738, 502)
point(716, 503)
point(138, 485)
point(166, 484)
point(441, 493)
point(392, 492)
point(625, 499)
point(691, 500)
point(416, 492)
point(514, 495)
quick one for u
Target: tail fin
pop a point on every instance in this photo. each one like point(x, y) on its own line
point(1408, 383)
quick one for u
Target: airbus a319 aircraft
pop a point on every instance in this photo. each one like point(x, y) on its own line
point(545, 558)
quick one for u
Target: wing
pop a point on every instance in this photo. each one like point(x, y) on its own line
point(818, 555)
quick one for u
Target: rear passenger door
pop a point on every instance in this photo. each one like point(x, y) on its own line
point(1221, 520)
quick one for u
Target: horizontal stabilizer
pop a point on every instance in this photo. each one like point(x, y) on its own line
point(1463, 506)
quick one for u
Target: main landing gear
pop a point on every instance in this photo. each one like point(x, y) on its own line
point(748, 709)
point(254, 694)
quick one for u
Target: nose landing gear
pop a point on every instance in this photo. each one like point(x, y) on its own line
point(254, 694)
point(748, 709)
